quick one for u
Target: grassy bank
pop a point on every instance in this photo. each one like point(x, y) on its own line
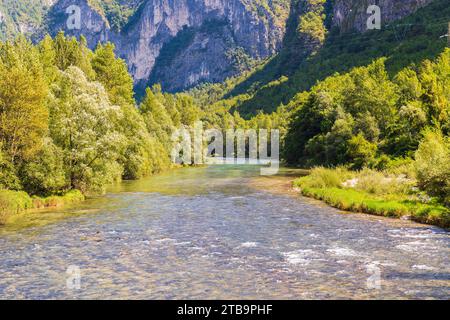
point(14, 202)
point(374, 193)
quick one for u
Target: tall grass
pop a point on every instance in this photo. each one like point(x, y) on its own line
point(381, 183)
point(373, 193)
point(14, 202)
point(71, 197)
point(321, 177)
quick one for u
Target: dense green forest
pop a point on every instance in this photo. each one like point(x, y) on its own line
point(68, 118)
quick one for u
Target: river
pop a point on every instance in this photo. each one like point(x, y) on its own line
point(220, 232)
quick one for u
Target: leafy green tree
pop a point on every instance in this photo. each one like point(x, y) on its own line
point(331, 148)
point(372, 92)
point(8, 176)
point(315, 114)
point(23, 90)
point(70, 52)
point(405, 134)
point(433, 165)
point(188, 109)
point(409, 86)
point(157, 119)
point(48, 58)
point(45, 174)
point(367, 125)
point(435, 80)
point(113, 74)
point(311, 26)
point(143, 154)
point(361, 152)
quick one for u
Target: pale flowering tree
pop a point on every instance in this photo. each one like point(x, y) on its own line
point(85, 125)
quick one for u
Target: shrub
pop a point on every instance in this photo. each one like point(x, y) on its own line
point(35, 174)
point(14, 202)
point(376, 182)
point(401, 166)
point(71, 197)
point(433, 165)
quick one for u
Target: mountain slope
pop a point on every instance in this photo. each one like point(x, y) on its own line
point(184, 43)
point(403, 41)
point(207, 35)
point(21, 16)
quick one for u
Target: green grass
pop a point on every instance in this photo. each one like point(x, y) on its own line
point(15, 202)
point(392, 205)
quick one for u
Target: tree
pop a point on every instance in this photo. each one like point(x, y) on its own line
point(190, 112)
point(361, 152)
point(433, 165)
point(372, 92)
point(159, 123)
point(48, 58)
point(70, 52)
point(311, 27)
point(8, 176)
point(143, 154)
point(113, 74)
point(435, 80)
point(84, 125)
point(45, 174)
point(23, 90)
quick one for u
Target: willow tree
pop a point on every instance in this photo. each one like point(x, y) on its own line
point(85, 126)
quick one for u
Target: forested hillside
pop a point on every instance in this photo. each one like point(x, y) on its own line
point(402, 42)
point(21, 16)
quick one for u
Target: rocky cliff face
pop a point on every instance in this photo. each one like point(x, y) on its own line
point(181, 43)
point(199, 38)
point(64, 16)
point(352, 14)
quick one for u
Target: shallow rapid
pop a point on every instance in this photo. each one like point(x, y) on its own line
point(221, 232)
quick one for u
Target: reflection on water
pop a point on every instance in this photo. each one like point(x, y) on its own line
point(222, 232)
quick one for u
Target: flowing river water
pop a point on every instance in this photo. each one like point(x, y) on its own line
point(220, 232)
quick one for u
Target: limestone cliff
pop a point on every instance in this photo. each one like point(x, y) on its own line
point(181, 43)
point(212, 30)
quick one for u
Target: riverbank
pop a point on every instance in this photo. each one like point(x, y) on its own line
point(373, 193)
point(15, 202)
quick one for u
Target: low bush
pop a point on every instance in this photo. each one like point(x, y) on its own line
point(71, 197)
point(433, 165)
point(380, 183)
